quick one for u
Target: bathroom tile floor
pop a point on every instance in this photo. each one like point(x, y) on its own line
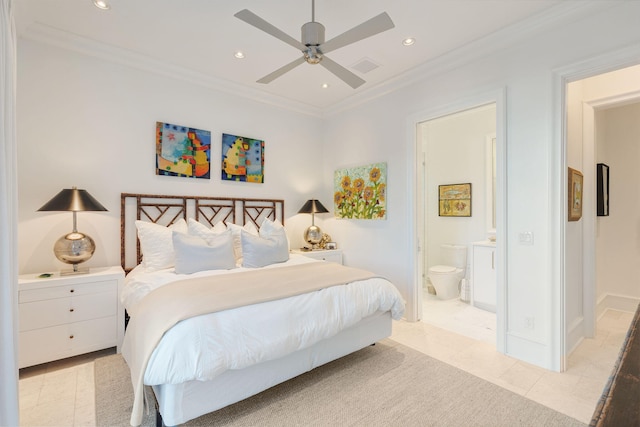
point(62, 393)
point(460, 317)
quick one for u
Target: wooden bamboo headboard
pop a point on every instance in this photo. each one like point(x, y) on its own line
point(165, 210)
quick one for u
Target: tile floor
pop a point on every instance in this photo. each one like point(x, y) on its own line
point(61, 393)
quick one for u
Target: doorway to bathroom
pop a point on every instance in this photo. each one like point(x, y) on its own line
point(462, 149)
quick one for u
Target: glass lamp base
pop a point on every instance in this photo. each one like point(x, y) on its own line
point(74, 248)
point(84, 270)
point(313, 235)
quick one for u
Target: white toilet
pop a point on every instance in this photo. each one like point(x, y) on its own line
point(446, 278)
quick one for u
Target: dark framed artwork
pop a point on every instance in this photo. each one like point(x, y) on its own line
point(602, 172)
point(242, 159)
point(454, 200)
point(182, 151)
point(575, 194)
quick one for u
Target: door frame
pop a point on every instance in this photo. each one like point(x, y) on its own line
point(559, 329)
point(416, 177)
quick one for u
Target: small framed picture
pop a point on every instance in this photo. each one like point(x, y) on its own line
point(603, 189)
point(575, 194)
point(454, 200)
point(331, 245)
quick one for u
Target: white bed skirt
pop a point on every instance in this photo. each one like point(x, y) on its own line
point(179, 403)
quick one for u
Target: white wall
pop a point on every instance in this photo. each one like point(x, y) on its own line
point(618, 235)
point(455, 152)
point(86, 122)
point(90, 123)
point(378, 130)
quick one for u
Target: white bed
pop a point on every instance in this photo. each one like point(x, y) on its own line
point(207, 362)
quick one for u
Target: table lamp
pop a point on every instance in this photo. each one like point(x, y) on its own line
point(73, 248)
point(313, 234)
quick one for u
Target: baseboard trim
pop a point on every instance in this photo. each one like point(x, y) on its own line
point(616, 302)
point(575, 334)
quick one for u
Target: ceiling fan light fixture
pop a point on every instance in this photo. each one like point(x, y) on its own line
point(313, 55)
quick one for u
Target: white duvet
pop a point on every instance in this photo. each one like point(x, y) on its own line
point(204, 347)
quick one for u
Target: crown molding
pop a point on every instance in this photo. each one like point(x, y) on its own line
point(509, 36)
point(45, 34)
point(563, 12)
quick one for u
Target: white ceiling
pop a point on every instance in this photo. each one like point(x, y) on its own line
point(199, 37)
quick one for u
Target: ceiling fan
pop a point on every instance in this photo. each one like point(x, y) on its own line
point(313, 46)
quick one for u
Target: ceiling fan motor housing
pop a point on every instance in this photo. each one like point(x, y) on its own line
point(313, 37)
point(312, 34)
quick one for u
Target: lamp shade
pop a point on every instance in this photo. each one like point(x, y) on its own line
point(313, 206)
point(73, 200)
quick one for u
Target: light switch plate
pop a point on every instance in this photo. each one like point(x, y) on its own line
point(526, 238)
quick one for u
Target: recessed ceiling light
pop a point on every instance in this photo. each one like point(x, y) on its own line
point(239, 55)
point(408, 41)
point(101, 4)
point(325, 85)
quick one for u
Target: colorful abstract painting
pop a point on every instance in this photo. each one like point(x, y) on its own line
point(242, 159)
point(182, 151)
point(361, 192)
point(454, 200)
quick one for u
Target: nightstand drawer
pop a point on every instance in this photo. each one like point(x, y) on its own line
point(53, 312)
point(330, 257)
point(64, 291)
point(44, 345)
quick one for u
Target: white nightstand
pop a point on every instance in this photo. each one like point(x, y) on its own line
point(69, 315)
point(331, 255)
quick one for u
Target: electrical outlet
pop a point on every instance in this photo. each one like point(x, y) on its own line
point(529, 322)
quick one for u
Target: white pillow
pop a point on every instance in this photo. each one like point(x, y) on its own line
point(156, 243)
point(259, 251)
point(268, 228)
point(201, 230)
point(236, 230)
point(195, 254)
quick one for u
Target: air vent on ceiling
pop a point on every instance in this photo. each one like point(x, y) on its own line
point(365, 65)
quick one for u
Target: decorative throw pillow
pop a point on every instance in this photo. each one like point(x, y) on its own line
point(195, 254)
point(201, 230)
point(269, 228)
point(156, 243)
point(236, 230)
point(259, 251)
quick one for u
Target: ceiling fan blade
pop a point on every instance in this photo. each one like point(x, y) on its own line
point(252, 19)
point(345, 75)
point(280, 71)
point(369, 28)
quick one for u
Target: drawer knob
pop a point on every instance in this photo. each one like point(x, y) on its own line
point(71, 310)
point(70, 337)
point(72, 290)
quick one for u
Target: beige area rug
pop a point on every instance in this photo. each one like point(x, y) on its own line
point(383, 385)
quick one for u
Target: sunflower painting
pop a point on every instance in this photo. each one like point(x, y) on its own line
point(361, 192)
